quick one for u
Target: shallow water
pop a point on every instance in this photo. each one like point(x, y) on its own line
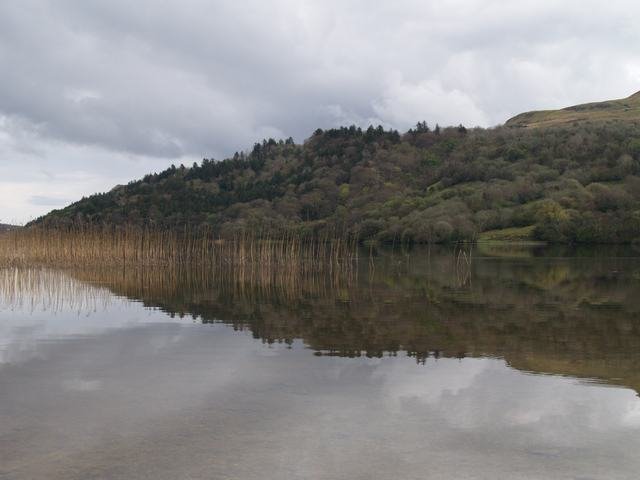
point(522, 364)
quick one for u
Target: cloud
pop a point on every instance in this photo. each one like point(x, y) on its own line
point(403, 102)
point(48, 201)
point(202, 78)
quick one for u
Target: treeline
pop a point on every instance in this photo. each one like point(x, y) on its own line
point(572, 184)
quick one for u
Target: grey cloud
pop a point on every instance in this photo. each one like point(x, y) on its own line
point(198, 77)
point(43, 200)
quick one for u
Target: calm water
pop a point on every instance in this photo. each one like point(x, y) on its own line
point(524, 364)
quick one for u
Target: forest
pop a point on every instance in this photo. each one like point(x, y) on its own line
point(572, 183)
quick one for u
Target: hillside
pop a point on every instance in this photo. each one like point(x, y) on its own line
point(624, 109)
point(571, 183)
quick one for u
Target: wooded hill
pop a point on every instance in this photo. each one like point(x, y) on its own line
point(565, 182)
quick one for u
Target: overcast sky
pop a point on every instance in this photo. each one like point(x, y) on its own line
point(96, 93)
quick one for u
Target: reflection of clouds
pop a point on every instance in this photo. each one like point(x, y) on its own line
point(205, 396)
point(487, 394)
point(631, 416)
point(475, 418)
point(21, 331)
point(42, 304)
point(80, 385)
point(160, 343)
point(430, 382)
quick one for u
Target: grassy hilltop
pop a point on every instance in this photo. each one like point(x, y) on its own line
point(574, 179)
point(626, 109)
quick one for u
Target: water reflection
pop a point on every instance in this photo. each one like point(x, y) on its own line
point(577, 315)
point(413, 366)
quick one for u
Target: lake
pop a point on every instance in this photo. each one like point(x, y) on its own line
point(501, 362)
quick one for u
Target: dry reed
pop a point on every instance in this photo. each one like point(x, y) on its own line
point(245, 254)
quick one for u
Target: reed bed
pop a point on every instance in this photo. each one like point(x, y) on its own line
point(153, 260)
point(80, 246)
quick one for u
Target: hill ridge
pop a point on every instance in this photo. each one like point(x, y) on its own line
point(626, 109)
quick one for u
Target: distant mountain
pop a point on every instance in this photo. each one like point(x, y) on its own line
point(575, 182)
point(625, 109)
point(5, 228)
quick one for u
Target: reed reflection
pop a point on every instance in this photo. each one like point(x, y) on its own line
point(42, 289)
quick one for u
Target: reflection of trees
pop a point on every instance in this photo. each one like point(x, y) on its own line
point(576, 316)
point(573, 316)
